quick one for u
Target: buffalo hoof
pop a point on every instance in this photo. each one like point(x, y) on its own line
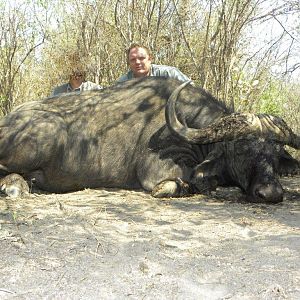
point(14, 185)
point(268, 193)
point(170, 188)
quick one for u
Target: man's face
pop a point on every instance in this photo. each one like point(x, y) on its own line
point(76, 79)
point(139, 62)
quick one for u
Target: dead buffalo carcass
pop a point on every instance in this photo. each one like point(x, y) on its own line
point(131, 136)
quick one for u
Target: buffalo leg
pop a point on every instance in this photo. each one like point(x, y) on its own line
point(14, 185)
point(171, 188)
point(163, 177)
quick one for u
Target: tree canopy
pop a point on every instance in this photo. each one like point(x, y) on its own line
point(244, 52)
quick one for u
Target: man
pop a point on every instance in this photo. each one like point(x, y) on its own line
point(140, 62)
point(76, 83)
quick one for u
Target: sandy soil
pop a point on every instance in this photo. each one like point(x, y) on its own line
point(117, 244)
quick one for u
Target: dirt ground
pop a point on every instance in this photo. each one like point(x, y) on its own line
point(117, 244)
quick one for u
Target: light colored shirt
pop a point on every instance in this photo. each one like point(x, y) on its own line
point(66, 88)
point(159, 70)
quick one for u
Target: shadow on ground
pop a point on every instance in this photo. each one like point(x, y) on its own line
point(117, 244)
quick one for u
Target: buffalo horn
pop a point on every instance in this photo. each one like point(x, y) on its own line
point(230, 127)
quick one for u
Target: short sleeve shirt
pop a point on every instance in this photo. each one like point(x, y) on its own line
point(161, 71)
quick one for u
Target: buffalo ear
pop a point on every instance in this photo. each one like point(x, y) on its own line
point(287, 164)
point(205, 177)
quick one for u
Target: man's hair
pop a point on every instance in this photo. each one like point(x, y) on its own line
point(79, 71)
point(135, 45)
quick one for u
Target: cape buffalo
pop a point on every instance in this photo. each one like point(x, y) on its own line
point(131, 136)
